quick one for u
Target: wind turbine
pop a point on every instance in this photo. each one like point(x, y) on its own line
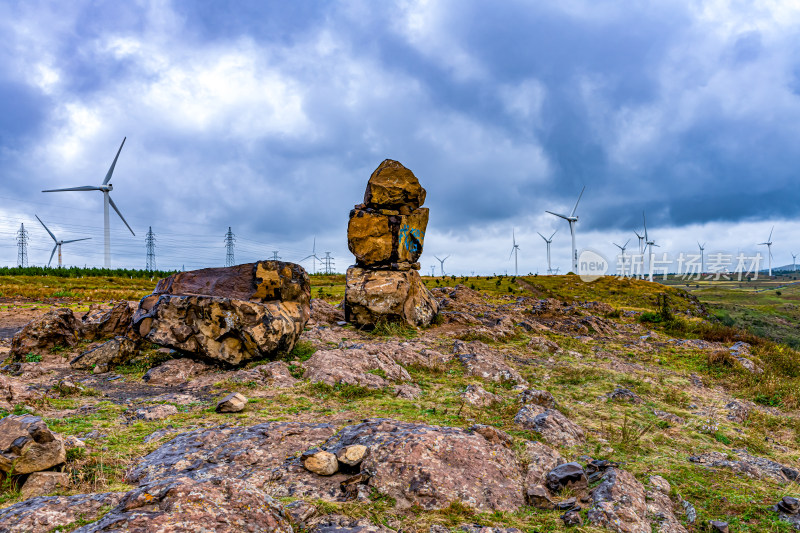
point(702, 257)
point(313, 256)
point(794, 262)
point(514, 250)
point(648, 243)
point(441, 263)
point(622, 250)
point(548, 241)
point(58, 243)
point(105, 188)
point(572, 219)
point(768, 244)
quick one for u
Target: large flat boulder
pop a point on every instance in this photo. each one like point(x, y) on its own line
point(372, 296)
point(228, 315)
point(47, 513)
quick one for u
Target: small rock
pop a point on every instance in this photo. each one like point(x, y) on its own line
point(234, 402)
point(156, 412)
point(567, 504)
point(669, 417)
point(320, 462)
point(789, 505)
point(479, 397)
point(352, 455)
point(407, 391)
point(624, 395)
point(300, 511)
point(44, 483)
point(493, 435)
point(27, 445)
point(660, 484)
point(572, 518)
point(72, 442)
point(539, 497)
point(537, 397)
point(691, 512)
point(100, 360)
point(718, 526)
point(554, 427)
point(568, 475)
point(174, 372)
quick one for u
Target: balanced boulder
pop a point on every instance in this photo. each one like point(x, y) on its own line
point(229, 315)
point(386, 234)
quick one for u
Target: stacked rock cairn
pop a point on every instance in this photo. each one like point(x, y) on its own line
point(386, 235)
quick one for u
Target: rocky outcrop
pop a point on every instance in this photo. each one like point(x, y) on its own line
point(15, 391)
point(477, 396)
point(386, 235)
point(50, 513)
point(111, 353)
point(373, 296)
point(57, 327)
point(355, 366)
point(228, 315)
point(175, 372)
point(186, 505)
point(619, 504)
point(27, 445)
point(481, 361)
point(748, 465)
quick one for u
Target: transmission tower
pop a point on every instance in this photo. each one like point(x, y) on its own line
point(230, 238)
point(328, 262)
point(275, 255)
point(22, 246)
point(150, 243)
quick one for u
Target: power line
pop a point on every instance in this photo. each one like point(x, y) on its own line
point(230, 238)
point(275, 256)
point(22, 246)
point(150, 243)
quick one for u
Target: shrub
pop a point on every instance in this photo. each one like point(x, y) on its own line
point(33, 358)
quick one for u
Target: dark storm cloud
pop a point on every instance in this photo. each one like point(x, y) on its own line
point(270, 116)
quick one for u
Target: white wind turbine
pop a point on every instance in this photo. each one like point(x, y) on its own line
point(58, 243)
point(794, 262)
point(572, 219)
point(702, 257)
point(548, 241)
point(622, 251)
point(313, 256)
point(441, 263)
point(768, 244)
point(514, 250)
point(650, 244)
point(105, 188)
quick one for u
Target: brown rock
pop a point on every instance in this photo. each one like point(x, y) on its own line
point(324, 313)
point(354, 367)
point(479, 397)
point(352, 455)
point(113, 352)
point(103, 322)
point(537, 397)
point(393, 186)
point(44, 483)
point(274, 374)
point(381, 240)
point(27, 445)
point(14, 391)
point(175, 372)
point(156, 412)
point(493, 435)
point(59, 326)
point(229, 315)
point(372, 296)
point(320, 462)
point(619, 503)
point(541, 459)
point(234, 402)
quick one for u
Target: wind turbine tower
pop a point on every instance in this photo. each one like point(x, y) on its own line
point(58, 243)
point(572, 219)
point(106, 189)
point(794, 262)
point(702, 257)
point(548, 241)
point(768, 244)
point(648, 244)
point(22, 246)
point(514, 251)
point(313, 256)
point(230, 238)
point(441, 263)
point(622, 251)
point(433, 270)
point(150, 244)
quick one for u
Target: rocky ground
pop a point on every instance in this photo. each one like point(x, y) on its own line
point(513, 411)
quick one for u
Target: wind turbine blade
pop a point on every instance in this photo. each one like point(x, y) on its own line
point(626, 243)
point(84, 188)
point(644, 221)
point(437, 257)
point(111, 170)
point(579, 200)
point(512, 252)
point(565, 217)
point(542, 236)
point(76, 240)
point(45, 227)
point(52, 254)
point(513, 237)
point(110, 201)
point(445, 259)
point(770, 233)
point(551, 236)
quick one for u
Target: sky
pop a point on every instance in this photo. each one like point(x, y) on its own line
point(269, 117)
